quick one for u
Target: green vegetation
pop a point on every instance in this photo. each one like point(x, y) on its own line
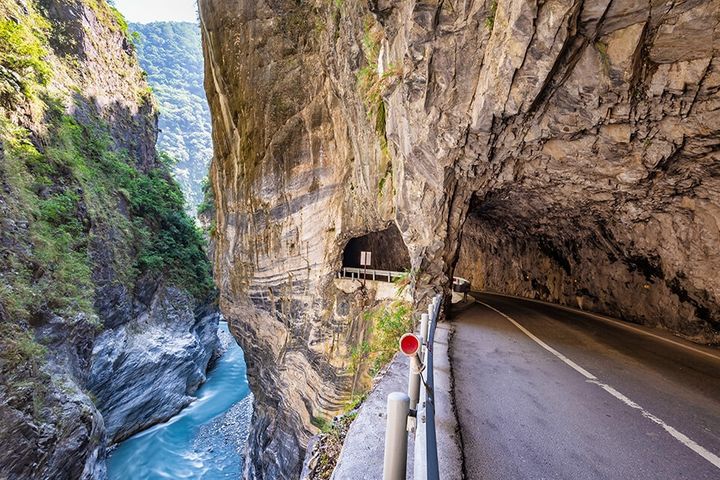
point(330, 445)
point(41, 266)
point(357, 356)
point(604, 57)
point(404, 281)
point(120, 20)
point(372, 84)
point(58, 275)
point(490, 19)
point(23, 351)
point(212, 230)
point(109, 15)
point(76, 184)
point(170, 241)
point(171, 54)
point(321, 423)
point(355, 402)
point(387, 323)
point(21, 359)
point(387, 176)
point(208, 197)
point(22, 58)
point(77, 211)
point(333, 436)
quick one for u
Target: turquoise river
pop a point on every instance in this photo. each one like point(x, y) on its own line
point(205, 441)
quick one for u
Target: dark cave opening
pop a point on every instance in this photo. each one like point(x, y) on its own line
point(387, 247)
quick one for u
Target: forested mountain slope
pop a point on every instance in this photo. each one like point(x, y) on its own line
point(171, 54)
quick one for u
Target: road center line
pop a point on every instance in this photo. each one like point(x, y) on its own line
point(590, 378)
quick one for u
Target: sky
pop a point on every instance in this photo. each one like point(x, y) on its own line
point(144, 11)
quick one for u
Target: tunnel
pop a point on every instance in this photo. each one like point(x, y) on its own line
point(571, 251)
point(386, 246)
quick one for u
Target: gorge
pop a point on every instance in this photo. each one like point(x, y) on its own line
point(205, 440)
point(563, 150)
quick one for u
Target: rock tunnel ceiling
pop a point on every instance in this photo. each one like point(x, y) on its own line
point(588, 131)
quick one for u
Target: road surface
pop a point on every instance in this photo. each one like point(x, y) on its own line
point(544, 393)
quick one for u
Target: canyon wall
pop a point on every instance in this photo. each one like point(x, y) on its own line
point(607, 190)
point(288, 196)
point(107, 312)
point(579, 138)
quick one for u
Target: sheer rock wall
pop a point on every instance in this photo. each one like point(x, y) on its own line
point(296, 174)
point(591, 127)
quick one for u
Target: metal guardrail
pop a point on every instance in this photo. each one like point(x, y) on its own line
point(426, 428)
point(369, 274)
point(459, 284)
point(415, 411)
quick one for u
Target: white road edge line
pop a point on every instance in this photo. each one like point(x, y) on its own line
point(610, 320)
point(679, 436)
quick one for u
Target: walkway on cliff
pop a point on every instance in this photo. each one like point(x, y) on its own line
point(545, 392)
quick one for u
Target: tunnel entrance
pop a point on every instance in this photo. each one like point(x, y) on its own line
point(575, 252)
point(387, 247)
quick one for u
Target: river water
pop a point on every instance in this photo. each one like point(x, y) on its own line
point(205, 441)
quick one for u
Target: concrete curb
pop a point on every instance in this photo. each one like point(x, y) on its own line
point(449, 442)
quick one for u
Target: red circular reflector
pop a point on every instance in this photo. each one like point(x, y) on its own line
point(409, 344)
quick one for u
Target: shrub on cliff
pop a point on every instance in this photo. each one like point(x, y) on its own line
point(166, 240)
point(68, 193)
point(172, 243)
point(387, 323)
point(22, 66)
point(390, 322)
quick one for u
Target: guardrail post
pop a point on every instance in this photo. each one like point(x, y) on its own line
point(414, 381)
point(396, 437)
point(424, 325)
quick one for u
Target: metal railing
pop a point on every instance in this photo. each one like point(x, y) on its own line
point(415, 411)
point(369, 274)
point(425, 433)
point(459, 284)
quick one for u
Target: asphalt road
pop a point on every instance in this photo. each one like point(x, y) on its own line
point(552, 394)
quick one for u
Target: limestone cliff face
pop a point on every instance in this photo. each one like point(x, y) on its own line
point(98, 336)
point(580, 138)
point(298, 171)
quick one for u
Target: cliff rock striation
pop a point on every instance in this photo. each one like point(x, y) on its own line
point(563, 150)
point(107, 318)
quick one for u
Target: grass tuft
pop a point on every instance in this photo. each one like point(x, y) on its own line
point(490, 18)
